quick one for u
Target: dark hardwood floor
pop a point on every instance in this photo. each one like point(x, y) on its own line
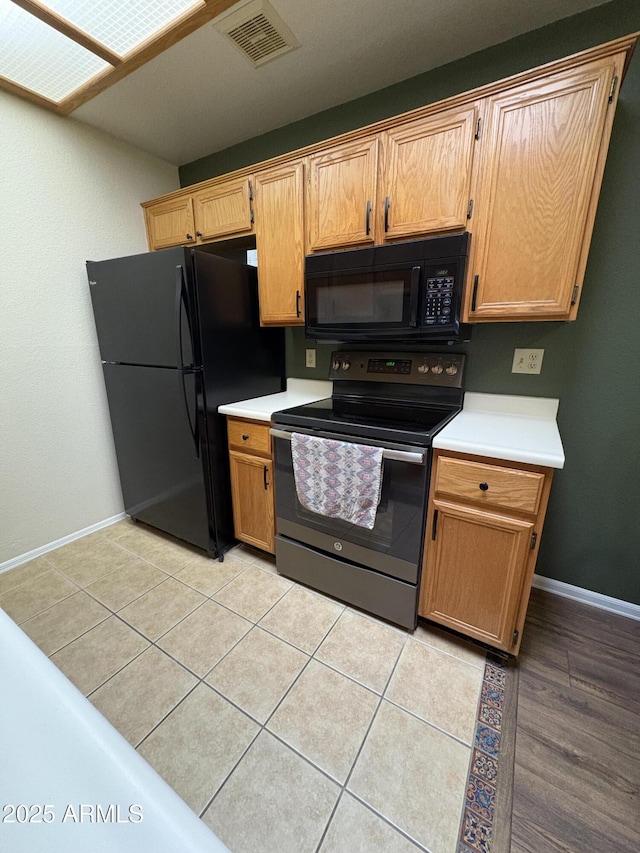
point(577, 764)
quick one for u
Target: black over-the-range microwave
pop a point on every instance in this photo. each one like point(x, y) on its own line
point(400, 292)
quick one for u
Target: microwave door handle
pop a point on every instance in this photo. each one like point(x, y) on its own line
point(415, 292)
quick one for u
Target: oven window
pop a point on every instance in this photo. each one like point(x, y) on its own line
point(399, 526)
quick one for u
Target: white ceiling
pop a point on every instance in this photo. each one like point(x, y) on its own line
point(203, 95)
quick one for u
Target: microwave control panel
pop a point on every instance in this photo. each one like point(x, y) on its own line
point(441, 296)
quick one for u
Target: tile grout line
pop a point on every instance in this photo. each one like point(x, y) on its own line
point(261, 727)
point(345, 784)
point(39, 612)
point(389, 822)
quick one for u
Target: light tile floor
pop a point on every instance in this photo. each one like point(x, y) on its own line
point(287, 721)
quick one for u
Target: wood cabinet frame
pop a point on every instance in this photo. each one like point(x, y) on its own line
point(280, 241)
point(252, 482)
point(458, 526)
point(617, 53)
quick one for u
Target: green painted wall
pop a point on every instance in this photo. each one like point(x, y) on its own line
point(592, 532)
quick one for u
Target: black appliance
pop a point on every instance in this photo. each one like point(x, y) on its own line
point(179, 335)
point(407, 292)
point(390, 400)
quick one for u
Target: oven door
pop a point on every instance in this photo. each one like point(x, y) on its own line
point(363, 304)
point(393, 546)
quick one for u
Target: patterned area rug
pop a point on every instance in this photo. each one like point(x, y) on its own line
point(486, 820)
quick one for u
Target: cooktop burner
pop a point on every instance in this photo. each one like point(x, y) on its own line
point(386, 397)
point(324, 416)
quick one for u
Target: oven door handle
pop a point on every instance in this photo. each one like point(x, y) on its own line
point(387, 452)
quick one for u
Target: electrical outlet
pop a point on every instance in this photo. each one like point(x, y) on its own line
point(527, 360)
point(310, 359)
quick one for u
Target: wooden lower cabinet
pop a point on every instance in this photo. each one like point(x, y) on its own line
point(484, 524)
point(252, 492)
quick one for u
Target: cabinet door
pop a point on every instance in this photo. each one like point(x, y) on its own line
point(427, 174)
point(223, 210)
point(170, 223)
point(537, 174)
point(341, 201)
point(474, 570)
point(252, 496)
point(279, 207)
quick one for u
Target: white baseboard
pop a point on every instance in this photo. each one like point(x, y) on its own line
point(586, 596)
point(566, 590)
point(44, 549)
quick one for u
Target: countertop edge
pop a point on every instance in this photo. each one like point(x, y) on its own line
point(507, 454)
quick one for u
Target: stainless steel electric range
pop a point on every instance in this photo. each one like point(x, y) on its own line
point(395, 401)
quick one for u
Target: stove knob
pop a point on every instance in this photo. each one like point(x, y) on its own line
point(437, 369)
point(346, 365)
point(451, 369)
point(423, 368)
point(335, 364)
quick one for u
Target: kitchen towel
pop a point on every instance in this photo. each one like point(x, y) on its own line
point(338, 479)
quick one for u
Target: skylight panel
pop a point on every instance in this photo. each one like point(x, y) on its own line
point(120, 25)
point(39, 58)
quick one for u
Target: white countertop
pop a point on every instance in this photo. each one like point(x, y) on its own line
point(299, 392)
point(518, 429)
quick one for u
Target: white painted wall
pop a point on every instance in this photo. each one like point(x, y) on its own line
point(68, 193)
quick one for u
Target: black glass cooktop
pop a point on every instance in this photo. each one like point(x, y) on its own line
point(398, 421)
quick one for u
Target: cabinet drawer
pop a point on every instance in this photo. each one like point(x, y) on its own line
point(491, 485)
point(248, 435)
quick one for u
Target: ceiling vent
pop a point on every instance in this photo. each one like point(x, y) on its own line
point(258, 31)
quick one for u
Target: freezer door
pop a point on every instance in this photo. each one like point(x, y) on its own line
point(153, 414)
point(143, 308)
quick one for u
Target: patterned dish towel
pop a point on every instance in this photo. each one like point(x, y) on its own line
point(337, 478)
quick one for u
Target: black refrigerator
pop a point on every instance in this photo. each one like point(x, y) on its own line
point(179, 335)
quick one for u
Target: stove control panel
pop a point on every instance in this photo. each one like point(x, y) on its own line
point(415, 368)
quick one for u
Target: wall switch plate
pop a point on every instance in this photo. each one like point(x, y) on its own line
point(526, 360)
point(310, 358)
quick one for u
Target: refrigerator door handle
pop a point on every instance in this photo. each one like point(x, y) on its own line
point(193, 425)
point(179, 300)
point(186, 369)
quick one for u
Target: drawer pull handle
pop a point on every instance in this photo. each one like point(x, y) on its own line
point(245, 437)
point(483, 487)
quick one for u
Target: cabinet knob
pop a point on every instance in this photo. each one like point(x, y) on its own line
point(483, 487)
point(245, 437)
point(189, 237)
point(198, 233)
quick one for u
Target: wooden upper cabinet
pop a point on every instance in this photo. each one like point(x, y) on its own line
point(223, 210)
point(538, 185)
point(170, 223)
point(279, 208)
point(341, 199)
point(533, 171)
point(425, 181)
